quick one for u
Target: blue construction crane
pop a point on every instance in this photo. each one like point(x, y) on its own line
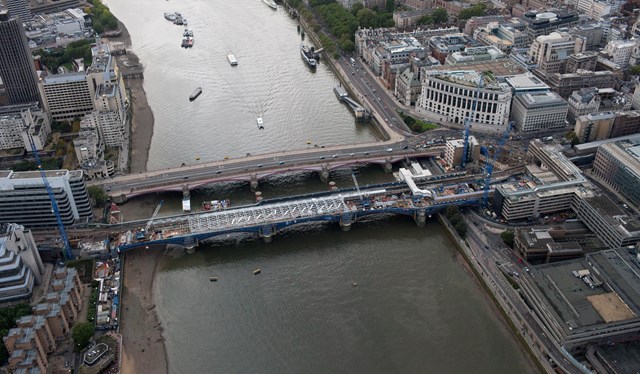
point(490, 161)
point(467, 121)
point(54, 204)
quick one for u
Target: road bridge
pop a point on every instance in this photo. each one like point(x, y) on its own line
point(254, 168)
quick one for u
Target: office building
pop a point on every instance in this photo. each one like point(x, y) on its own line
point(533, 112)
point(581, 61)
point(454, 152)
point(448, 96)
point(543, 23)
point(24, 199)
point(69, 96)
point(610, 222)
point(582, 102)
point(22, 267)
point(472, 54)
point(538, 245)
point(565, 84)
point(550, 52)
point(585, 302)
point(17, 70)
point(618, 166)
point(16, 121)
point(620, 51)
point(594, 126)
point(19, 8)
point(550, 184)
point(526, 84)
point(442, 46)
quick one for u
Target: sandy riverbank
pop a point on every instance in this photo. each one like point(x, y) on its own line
point(142, 120)
point(143, 344)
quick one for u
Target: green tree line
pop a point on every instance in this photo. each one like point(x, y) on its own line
point(102, 18)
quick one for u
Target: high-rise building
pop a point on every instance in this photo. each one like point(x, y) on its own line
point(551, 51)
point(19, 8)
point(21, 263)
point(69, 96)
point(17, 70)
point(24, 199)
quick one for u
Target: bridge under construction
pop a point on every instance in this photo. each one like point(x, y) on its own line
point(269, 217)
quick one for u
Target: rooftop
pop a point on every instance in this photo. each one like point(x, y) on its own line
point(614, 215)
point(577, 296)
point(525, 81)
point(543, 99)
point(498, 68)
point(65, 78)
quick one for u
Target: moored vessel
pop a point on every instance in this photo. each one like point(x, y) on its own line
point(260, 123)
point(272, 4)
point(308, 56)
point(195, 94)
point(232, 59)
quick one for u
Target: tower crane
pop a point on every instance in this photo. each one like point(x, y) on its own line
point(467, 121)
point(491, 161)
point(66, 250)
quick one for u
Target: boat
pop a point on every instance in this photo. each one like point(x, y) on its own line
point(272, 4)
point(184, 21)
point(178, 19)
point(189, 41)
point(187, 32)
point(195, 94)
point(260, 123)
point(257, 271)
point(184, 43)
point(307, 56)
point(170, 17)
point(232, 59)
point(213, 279)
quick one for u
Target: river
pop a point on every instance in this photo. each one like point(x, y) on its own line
point(271, 80)
point(414, 308)
point(387, 297)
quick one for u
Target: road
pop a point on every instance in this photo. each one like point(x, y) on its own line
point(274, 162)
point(373, 95)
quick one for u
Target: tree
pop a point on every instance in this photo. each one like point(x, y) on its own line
point(507, 237)
point(390, 6)
point(475, 11)
point(98, 195)
point(82, 334)
point(439, 15)
point(635, 70)
point(425, 20)
point(367, 18)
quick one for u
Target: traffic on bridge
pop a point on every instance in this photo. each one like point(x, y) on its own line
point(253, 168)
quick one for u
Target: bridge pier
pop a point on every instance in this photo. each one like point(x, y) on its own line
point(388, 166)
point(190, 245)
point(119, 199)
point(346, 220)
point(420, 216)
point(267, 233)
point(324, 174)
point(254, 182)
